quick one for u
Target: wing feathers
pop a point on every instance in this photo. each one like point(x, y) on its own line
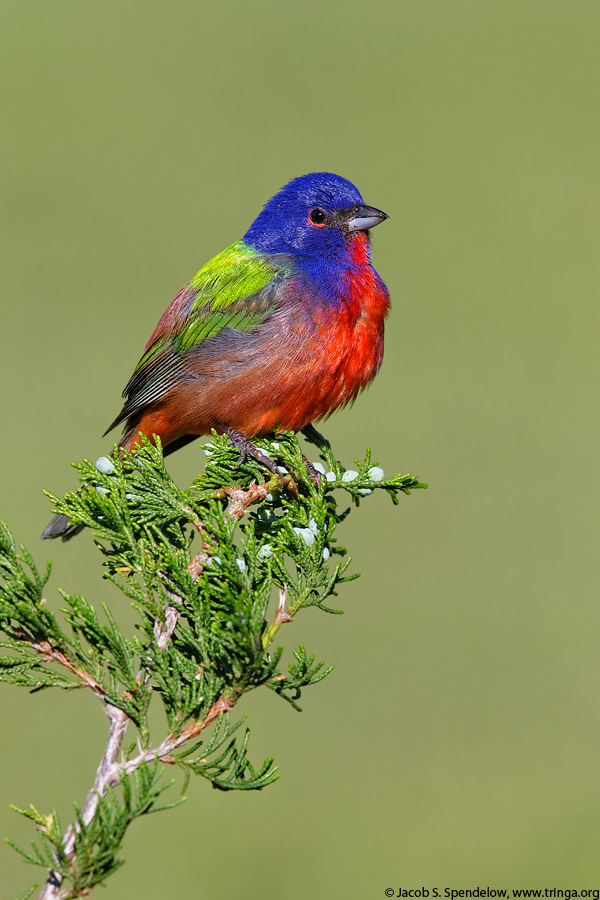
point(237, 291)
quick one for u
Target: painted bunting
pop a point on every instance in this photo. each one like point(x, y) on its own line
point(278, 330)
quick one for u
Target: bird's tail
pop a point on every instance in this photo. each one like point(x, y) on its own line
point(60, 526)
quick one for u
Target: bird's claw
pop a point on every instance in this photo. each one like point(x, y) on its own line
point(312, 472)
point(247, 448)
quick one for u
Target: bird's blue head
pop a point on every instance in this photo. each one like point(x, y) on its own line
point(312, 216)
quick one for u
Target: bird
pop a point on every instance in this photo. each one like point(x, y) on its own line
point(275, 332)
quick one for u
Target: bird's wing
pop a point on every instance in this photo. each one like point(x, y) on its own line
point(235, 290)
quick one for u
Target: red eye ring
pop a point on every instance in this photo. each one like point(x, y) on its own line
point(317, 217)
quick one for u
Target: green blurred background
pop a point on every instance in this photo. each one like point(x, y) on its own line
point(457, 742)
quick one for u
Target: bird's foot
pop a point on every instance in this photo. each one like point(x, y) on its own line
point(312, 472)
point(315, 437)
point(247, 448)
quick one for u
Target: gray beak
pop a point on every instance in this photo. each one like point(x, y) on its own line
point(364, 217)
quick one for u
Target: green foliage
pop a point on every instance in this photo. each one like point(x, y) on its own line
point(229, 770)
point(97, 843)
point(213, 572)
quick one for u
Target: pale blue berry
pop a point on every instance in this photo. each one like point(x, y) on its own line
point(318, 467)
point(376, 474)
point(365, 492)
point(102, 490)
point(306, 535)
point(350, 475)
point(326, 553)
point(265, 551)
point(105, 465)
point(313, 527)
point(330, 476)
point(241, 564)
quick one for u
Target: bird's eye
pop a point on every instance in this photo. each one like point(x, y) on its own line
point(317, 217)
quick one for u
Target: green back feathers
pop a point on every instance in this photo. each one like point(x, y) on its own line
point(230, 294)
point(232, 275)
